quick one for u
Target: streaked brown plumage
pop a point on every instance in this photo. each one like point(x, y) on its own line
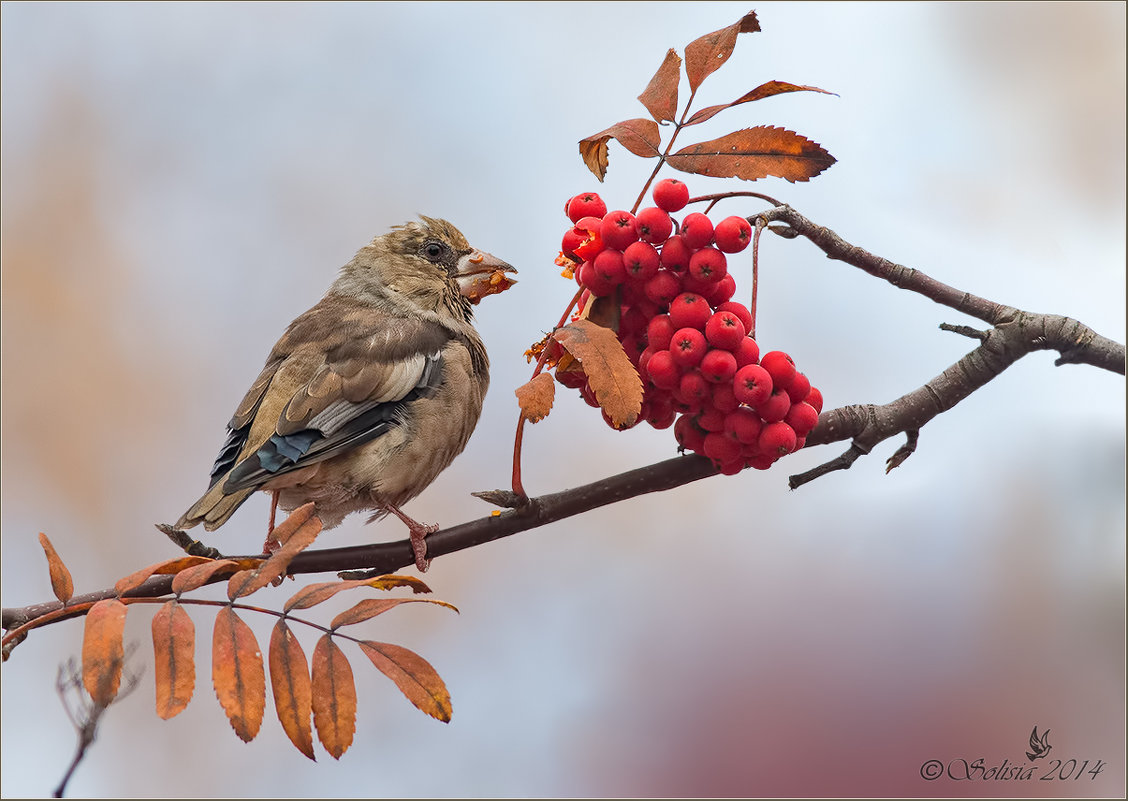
point(370, 394)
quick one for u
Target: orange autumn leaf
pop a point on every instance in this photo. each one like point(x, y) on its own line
point(413, 675)
point(103, 650)
point(535, 397)
point(296, 533)
point(754, 153)
point(192, 578)
point(237, 673)
point(769, 89)
point(174, 646)
point(707, 54)
point(370, 607)
point(334, 697)
point(61, 582)
point(313, 594)
point(639, 136)
point(290, 683)
point(661, 95)
point(165, 568)
point(614, 380)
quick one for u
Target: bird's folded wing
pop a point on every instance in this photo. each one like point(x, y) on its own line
point(339, 377)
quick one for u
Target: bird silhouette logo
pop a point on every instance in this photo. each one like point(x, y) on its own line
point(1039, 746)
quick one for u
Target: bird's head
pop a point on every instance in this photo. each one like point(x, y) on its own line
point(429, 263)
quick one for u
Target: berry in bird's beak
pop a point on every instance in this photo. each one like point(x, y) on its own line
point(480, 274)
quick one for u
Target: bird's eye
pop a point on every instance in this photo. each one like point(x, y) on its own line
point(433, 251)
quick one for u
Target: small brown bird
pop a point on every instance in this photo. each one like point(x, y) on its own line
point(370, 394)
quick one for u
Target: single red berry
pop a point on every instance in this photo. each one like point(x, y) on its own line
point(697, 229)
point(641, 261)
point(763, 461)
point(670, 195)
point(573, 238)
point(588, 228)
point(689, 310)
point(587, 204)
point(740, 310)
point(662, 412)
point(659, 331)
point(687, 346)
point(752, 385)
point(687, 408)
point(800, 443)
point(588, 394)
point(662, 288)
point(743, 425)
point(688, 434)
point(675, 254)
point(632, 321)
point(775, 407)
point(780, 367)
point(724, 399)
point(698, 287)
point(732, 234)
point(731, 468)
point(724, 330)
point(609, 266)
point(799, 388)
point(777, 438)
point(654, 225)
point(619, 229)
point(720, 448)
point(643, 360)
point(815, 398)
point(708, 265)
point(718, 366)
point(633, 345)
point(711, 419)
point(662, 370)
point(693, 388)
point(722, 291)
point(747, 353)
point(802, 417)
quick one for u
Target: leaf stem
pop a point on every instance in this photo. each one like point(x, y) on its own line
point(662, 158)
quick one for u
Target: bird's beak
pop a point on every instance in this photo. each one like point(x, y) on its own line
point(480, 274)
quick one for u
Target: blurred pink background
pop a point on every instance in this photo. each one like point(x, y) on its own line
point(180, 181)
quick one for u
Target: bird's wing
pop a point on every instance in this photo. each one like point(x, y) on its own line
point(337, 379)
point(1035, 744)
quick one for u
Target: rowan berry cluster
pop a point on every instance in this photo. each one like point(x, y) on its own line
point(690, 342)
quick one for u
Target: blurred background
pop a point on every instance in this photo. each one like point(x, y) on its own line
point(181, 180)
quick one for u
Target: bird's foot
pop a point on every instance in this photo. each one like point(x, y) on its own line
point(417, 532)
point(187, 544)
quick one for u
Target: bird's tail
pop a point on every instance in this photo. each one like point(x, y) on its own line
point(214, 508)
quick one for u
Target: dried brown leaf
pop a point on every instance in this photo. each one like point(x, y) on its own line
point(661, 95)
point(103, 650)
point(314, 594)
point(237, 673)
point(754, 153)
point(639, 136)
point(61, 582)
point(370, 607)
point(334, 697)
point(174, 646)
point(296, 533)
point(769, 89)
point(290, 683)
point(165, 568)
point(706, 55)
point(612, 377)
point(413, 675)
point(535, 397)
point(192, 578)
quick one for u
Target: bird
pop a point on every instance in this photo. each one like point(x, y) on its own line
point(1039, 746)
point(370, 394)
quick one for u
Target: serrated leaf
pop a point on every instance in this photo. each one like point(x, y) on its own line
point(165, 568)
point(639, 136)
point(370, 607)
point(706, 55)
point(769, 89)
point(413, 675)
point(174, 646)
point(614, 380)
point(61, 582)
point(661, 95)
point(754, 153)
point(103, 650)
point(535, 397)
point(314, 594)
point(192, 578)
point(292, 688)
point(334, 697)
point(237, 673)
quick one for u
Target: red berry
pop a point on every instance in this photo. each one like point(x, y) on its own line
point(779, 366)
point(573, 238)
point(724, 399)
point(641, 261)
point(775, 407)
point(711, 419)
point(720, 292)
point(724, 330)
point(693, 388)
point(662, 412)
point(609, 267)
point(752, 385)
point(697, 286)
point(718, 366)
point(815, 398)
point(689, 310)
point(588, 204)
point(588, 228)
point(763, 461)
point(688, 434)
point(720, 448)
point(654, 225)
point(662, 370)
point(687, 347)
point(634, 345)
point(777, 438)
point(619, 229)
point(731, 468)
point(747, 353)
point(659, 331)
point(802, 417)
point(743, 425)
point(708, 265)
point(740, 310)
point(670, 195)
point(632, 321)
point(697, 229)
point(733, 234)
point(675, 254)
point(588, 394)
point(662, 288)
point(799, 388)
point(643, 360)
